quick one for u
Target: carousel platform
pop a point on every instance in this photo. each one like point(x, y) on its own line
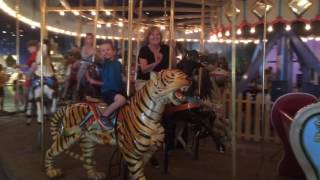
point(20, 158)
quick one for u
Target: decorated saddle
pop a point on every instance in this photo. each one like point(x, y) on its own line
point(94, 120)
point(50, 81)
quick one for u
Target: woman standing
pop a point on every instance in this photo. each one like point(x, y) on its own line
point(153, 57)
point(87, 52)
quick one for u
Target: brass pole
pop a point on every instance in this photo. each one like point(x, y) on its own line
point(130, 28)
point(202, 27)
point(43, 29)
point(212, 25)
point(95, 26)
point(113, 29)
point(165, 8)
point(17, 31)
point(79, 28)
point(263, 69)
point(123, 43)
point(172, 34)
point(138, 39)
point(201, 46)
point(233, 91)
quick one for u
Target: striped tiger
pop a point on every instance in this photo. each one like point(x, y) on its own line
point(139, 131)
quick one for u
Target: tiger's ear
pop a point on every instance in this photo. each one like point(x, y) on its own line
point(153, 75)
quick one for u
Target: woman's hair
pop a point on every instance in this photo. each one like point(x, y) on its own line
point(108, 42)
point(148, 33)
point(85, 38)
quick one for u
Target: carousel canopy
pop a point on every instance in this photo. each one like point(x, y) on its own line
point(65, 15)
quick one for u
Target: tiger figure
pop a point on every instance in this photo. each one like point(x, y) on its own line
point(138, 132)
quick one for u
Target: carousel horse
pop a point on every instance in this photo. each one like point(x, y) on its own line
point(207, 118)
point(218, 78)
point(49, 87)
point(137, 131)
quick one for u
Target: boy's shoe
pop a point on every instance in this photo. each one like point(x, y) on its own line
point(154, 162)
point(107, 122)
point(28, 121)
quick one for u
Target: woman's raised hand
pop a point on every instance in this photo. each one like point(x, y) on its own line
point(158, 57)
point(172, 43)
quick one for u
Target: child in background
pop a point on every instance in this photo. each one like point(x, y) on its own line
point(18, 91)
point(3, 80)
point(72, 68)
point(32, 47)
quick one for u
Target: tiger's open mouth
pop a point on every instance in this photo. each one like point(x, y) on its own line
point(178, 96)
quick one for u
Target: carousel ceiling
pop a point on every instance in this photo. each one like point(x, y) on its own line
point(64, 16)
point(187, 12)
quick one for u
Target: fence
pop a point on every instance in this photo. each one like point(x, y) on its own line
point(249, 122)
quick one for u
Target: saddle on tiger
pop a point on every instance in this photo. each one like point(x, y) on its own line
point(94, 120)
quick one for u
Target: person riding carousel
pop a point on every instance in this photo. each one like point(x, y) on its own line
point(111, 83)
point(48, 70)
point(50, 84)
point(88, 52)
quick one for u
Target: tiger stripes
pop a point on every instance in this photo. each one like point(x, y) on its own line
point(139, 131)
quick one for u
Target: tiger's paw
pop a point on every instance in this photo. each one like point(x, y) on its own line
point(97, 175)
point(54, 173)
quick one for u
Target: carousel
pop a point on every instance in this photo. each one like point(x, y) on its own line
point(167, 89)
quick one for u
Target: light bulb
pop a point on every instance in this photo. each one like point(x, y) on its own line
point(227, 33)
point(307, 27)
point(108, 13)
point(252, 30)
point(120, 24)
point(288, 27)
point(76, 13)
point(239, 32)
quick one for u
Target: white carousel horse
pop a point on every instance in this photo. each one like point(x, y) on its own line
point(49, 90)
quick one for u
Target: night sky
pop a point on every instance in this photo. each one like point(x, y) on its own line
point(8, 37)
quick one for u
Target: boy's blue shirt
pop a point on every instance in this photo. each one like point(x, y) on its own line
point(110, 73)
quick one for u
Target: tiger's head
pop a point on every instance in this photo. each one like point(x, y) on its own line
point(170, 85)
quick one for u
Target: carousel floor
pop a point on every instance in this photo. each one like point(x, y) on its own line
point(20, 158)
